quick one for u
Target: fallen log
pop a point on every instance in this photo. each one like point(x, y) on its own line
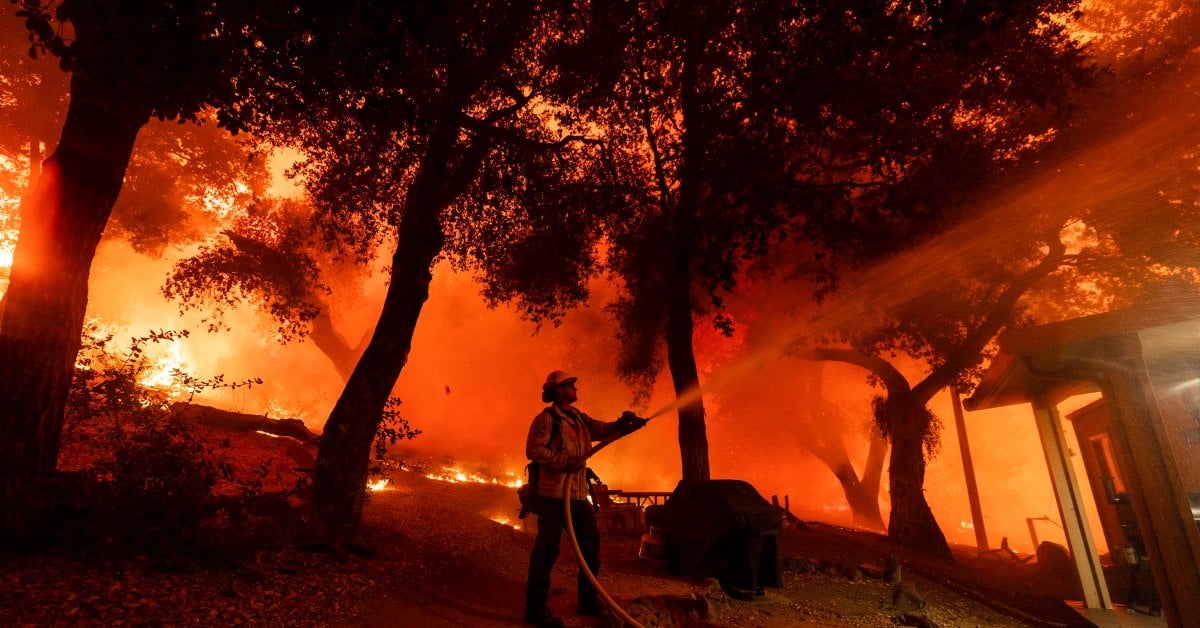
point(239, 422)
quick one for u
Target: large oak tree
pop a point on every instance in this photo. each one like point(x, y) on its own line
point(1101, 217)
point(128, 62)
point(435, 129)
point(738, 135)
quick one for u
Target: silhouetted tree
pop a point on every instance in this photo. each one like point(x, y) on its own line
point(742, 134)
point(179, 176)
point(274, 258)
point(128, 62)
point(1119, 229)
point(438, 128)
point(823, 431)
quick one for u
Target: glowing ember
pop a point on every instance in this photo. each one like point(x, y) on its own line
point(505, 521)
point(452, 475)
point(378, 486)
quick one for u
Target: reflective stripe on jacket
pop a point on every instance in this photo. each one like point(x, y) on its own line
point(577, 432)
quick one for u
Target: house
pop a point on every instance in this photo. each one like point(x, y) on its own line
point(1140, 444)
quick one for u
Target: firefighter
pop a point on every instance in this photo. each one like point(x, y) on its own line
point(559, 441)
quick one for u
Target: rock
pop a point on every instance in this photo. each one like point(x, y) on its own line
point(852, 573)
point(715, 603)
point(646, 611)
point(665, 610)
point(687, 605)
point(905, 597)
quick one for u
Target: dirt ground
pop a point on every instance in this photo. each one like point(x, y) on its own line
point(469, 570)
point(438, 554)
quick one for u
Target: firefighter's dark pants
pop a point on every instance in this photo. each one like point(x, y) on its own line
point(551, 523)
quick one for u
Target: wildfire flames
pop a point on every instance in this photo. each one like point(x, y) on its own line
point(455, 475)
point(505, 521)
point(162, 375)
point(471, 382)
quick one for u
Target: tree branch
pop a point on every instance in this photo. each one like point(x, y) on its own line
point(893, 380)
point(970, 352)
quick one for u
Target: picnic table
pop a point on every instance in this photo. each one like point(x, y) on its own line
point(641, 499)
point(622, 510)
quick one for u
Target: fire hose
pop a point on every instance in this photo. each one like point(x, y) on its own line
point(583, 566)
point(612, 604)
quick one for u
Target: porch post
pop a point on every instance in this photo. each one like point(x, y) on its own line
point(1070, 507)
point(960, 422)
point(1158, 497)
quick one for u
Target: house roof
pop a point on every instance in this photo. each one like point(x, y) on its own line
point(1053, 360)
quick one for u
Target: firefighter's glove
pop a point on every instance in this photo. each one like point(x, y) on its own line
point(630, 422)
point(575, 463)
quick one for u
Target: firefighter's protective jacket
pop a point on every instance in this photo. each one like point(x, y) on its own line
point(577, 432)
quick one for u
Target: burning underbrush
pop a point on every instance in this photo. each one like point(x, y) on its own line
point(447, 469)
point(142, 472)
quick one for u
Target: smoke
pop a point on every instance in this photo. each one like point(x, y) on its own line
point(472, 380)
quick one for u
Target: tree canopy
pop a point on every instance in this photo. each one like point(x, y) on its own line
point(438, 130)
point(850, 129)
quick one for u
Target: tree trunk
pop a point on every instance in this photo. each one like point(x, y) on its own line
point(864, 503)
point(862, 494)
point(873, 471)
point(681, 357)
point(343, 457)
point(911, 522)
point(823, 438)
point(61, 223)
point(333, 344)
point(199, 414)
point(344, 453)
